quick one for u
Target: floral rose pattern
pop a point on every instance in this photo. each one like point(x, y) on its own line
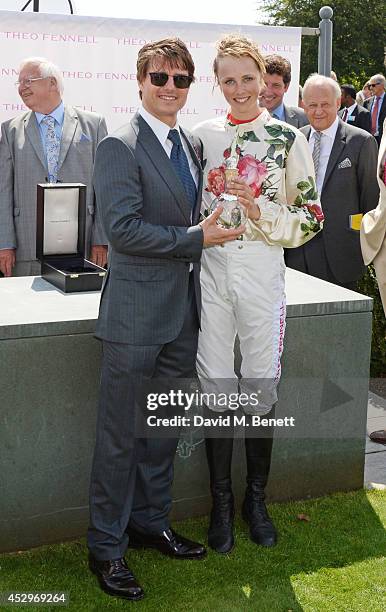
point(262, 176)
point(316, 210)
point(253, 171)
point(216, 181)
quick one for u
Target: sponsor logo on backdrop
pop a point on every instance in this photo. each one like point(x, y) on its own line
point(139, 42)
point(125, 109)
point(188, 111)
point(117, 76)
point(206, 79)
point(76, 74)
point(9, 72)
point(98, 59)
point(86, 107)
point(47, 37)
point(271, 48)
point(9, 106)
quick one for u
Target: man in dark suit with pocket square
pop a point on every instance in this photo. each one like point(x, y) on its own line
point(345, 159)
point(148, 182)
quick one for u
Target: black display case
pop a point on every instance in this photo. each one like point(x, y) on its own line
point(60, 238)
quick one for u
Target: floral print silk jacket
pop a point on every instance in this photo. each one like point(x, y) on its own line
point(275, 160)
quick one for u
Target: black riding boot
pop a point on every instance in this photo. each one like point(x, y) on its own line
point(220, 532)
point(254, 511)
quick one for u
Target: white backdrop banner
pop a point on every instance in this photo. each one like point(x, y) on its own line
point(97, 57)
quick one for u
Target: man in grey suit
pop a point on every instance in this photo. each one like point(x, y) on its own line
point(71, 136)
point(345, 159)
point(148, 182)
point(377, 105)
point(277, 80)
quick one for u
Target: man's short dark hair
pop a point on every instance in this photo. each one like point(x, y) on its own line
point(349, 89)
point(172, 51)
point(276, 64)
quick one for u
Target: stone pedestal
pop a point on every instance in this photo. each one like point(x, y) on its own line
point(49, 379)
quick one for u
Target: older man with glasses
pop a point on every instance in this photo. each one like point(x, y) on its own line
point(51, 142)
point(377, 105)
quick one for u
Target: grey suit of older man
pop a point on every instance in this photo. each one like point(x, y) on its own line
point(23, 165)
point(148, 321)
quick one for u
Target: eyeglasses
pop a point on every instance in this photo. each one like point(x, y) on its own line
point(28, 82)
point(371, 85)
point(181, 81)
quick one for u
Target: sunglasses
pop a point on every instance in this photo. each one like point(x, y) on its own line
point(181, 81)
point(373, 85)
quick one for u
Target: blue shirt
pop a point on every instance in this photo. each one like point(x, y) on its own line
point(58, 115)
point(278, 112)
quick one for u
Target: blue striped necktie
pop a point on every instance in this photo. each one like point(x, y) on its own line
point(52, 145)
point(181, 166)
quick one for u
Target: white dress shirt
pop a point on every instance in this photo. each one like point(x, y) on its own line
point(326, 142)
point(161, 131)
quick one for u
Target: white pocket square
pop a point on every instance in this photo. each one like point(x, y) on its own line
point(345, 163)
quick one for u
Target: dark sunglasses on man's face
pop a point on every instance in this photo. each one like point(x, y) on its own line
point(181, 81)
point(374, 85)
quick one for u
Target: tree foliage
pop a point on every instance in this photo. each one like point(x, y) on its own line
point(359, 35)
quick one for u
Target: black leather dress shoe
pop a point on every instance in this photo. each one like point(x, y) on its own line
point(115, 578)
point(378, 436)
point(168, 543)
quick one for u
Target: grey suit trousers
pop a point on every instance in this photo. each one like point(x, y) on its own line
point(132, 476)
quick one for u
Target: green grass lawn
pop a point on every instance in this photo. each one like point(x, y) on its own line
point(335, 561)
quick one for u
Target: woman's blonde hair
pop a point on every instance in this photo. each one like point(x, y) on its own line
point(235, 45)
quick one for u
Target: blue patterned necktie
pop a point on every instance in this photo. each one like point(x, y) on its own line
point(52, 144)
point(181, 166)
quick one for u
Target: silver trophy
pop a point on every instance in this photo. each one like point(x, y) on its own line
point(233, 214)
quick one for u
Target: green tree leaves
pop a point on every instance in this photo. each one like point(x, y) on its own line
point(359, 35)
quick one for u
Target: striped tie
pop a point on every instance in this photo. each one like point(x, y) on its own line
point(52, 145)
point(374, 116)
point(316, 151)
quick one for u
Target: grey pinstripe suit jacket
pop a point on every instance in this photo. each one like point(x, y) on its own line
point(23, 166)
point(148, 222)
